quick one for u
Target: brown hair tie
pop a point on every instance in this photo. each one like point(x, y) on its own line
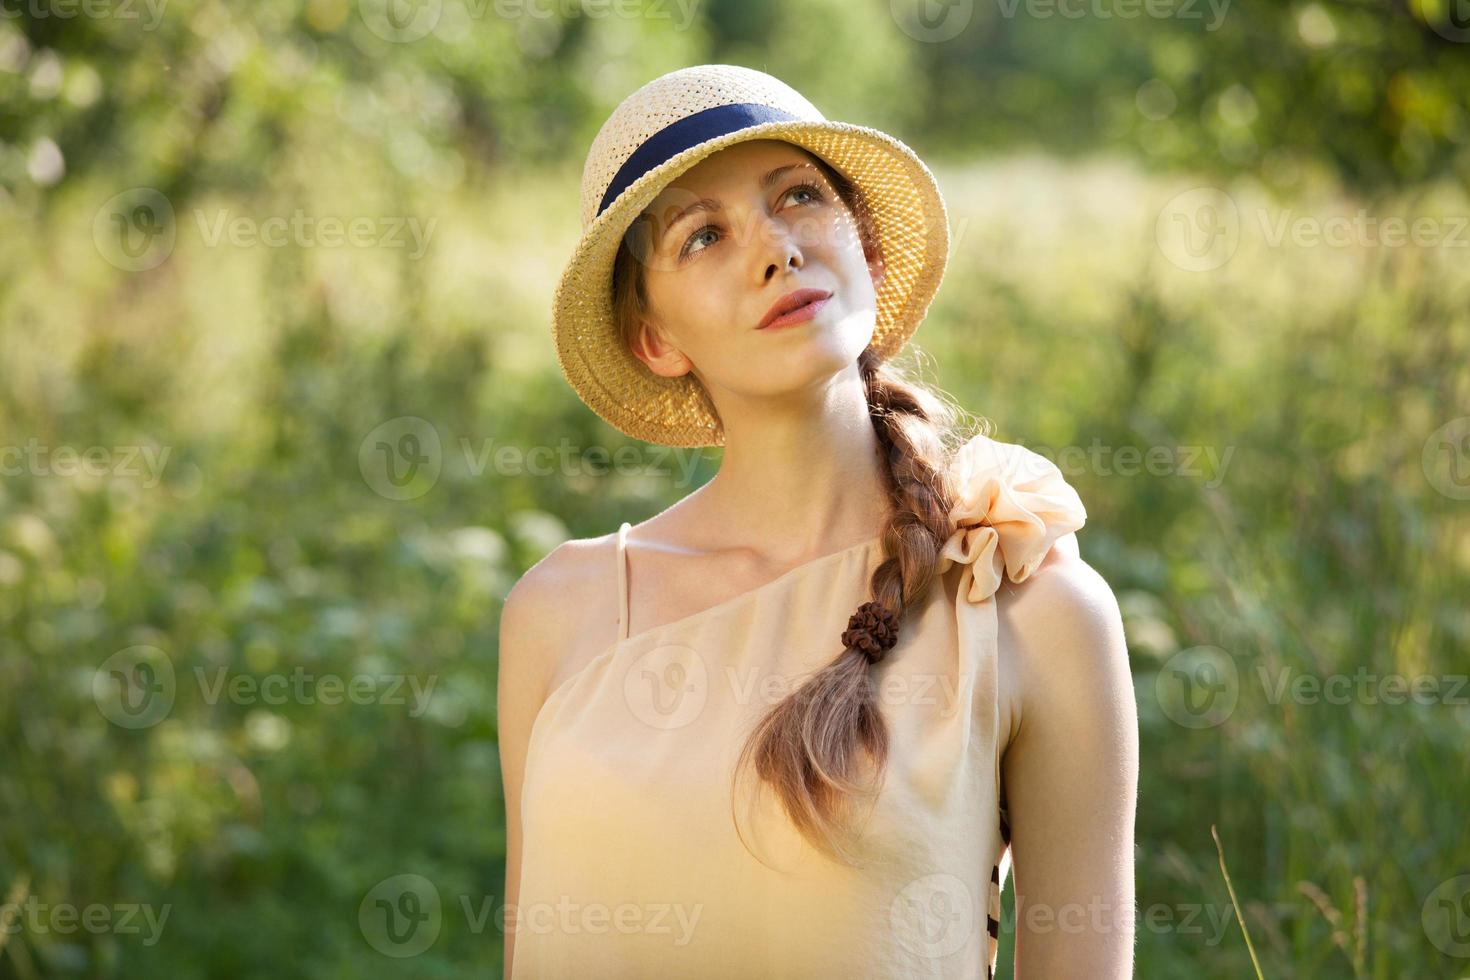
point(872, 630)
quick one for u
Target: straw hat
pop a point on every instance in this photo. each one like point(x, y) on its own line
point(661, 130)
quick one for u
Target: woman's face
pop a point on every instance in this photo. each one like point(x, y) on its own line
point(766, 222)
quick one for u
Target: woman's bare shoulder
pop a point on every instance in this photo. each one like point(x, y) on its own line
point(562, 605)
point(1063, 628)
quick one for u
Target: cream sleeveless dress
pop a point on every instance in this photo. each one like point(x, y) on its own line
point(631, 865)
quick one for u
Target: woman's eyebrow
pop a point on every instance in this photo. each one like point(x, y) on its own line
point(710, 205)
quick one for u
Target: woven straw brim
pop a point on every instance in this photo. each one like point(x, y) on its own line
point(908, 214)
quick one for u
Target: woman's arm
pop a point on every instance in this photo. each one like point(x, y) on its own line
point(1070, 773)
point(525, 658)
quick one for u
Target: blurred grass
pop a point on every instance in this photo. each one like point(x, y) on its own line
point(1321, 545)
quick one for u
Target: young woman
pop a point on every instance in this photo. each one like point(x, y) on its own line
point(802, 722)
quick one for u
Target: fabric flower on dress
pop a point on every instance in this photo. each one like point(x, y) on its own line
point(1012, 505)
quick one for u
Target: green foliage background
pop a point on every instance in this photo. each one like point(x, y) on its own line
point(1332, 536)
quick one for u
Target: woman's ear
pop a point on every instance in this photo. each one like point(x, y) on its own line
point(651, 347)
point(877, 270)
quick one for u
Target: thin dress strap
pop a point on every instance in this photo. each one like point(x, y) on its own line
point(623, 580)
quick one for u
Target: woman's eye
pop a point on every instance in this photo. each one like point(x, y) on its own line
point(811, 189)
point(692, 240)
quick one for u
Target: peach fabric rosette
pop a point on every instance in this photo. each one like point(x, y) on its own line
point(1012, 506)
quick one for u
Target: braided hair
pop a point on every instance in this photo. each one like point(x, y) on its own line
point(811, 746)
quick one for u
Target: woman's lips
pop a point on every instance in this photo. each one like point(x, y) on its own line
point(802, 314)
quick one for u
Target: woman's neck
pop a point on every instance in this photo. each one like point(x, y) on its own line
point(803, 479)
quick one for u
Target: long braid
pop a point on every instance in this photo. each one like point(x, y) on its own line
point(811, 747)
